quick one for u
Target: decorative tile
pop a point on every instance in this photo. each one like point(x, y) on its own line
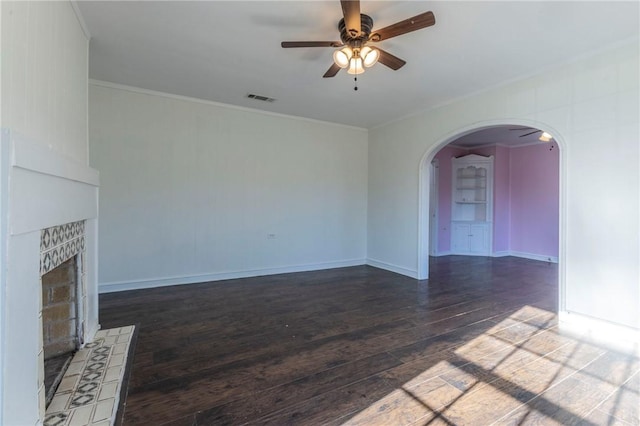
point(45, 264)
point(99, 357)
point(56, 419)
point(93, 380)
point(91, 376)
point(82, 399)
point(96, 343)
point(45, 240)
point(87, 387)
point(95, 366)
point(55, 235)
point(55, 256)
point(102, 350)
point(60, 243)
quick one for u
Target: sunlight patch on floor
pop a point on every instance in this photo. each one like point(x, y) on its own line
point(520, 371)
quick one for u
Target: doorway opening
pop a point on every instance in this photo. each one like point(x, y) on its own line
point(519, 213)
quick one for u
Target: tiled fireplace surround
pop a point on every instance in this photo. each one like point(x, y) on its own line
point(62, 305)
point(41, 190)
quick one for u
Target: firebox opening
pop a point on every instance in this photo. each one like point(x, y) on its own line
point(59, 322)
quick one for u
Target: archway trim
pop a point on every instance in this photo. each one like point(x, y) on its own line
point(424, 187)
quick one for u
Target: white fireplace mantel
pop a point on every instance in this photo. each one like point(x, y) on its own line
point(39, 188)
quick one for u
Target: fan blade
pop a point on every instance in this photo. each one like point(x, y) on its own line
point(523, 128)
point(351, 13)
point(331, 71)
point(389, 60)
point(530, 133)
point(311, 44)
point(416, 23)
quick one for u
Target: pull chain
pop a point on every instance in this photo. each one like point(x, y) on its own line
point(355, 79)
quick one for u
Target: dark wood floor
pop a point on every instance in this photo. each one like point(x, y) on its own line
point(475, 344)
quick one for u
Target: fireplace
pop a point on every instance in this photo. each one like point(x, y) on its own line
point(59, 310)
point(63, 293)
point(44, 185)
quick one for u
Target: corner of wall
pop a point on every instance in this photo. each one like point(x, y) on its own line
point(619, 337)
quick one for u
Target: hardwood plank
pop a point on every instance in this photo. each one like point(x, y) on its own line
point(624, 403)
point(284, 396)
point(330, 406)
point(568, 403)
point(358, 345)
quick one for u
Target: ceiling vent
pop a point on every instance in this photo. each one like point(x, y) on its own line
point(260, 97)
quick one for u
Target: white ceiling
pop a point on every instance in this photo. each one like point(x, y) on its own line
point(511, 136)
point(222, 50)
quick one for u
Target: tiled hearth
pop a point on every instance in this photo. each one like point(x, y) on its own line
point(89, 393)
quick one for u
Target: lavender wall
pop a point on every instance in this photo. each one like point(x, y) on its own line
point(525, 205)
point(534, 194)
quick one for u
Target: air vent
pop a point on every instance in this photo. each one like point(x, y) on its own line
point(260, 98)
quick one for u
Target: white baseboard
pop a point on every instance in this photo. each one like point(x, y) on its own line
point(441, 253)
point(393, 268)
point(541, 257)
point(193, 279)
point(616, 336)
point(504, 253)
point(524, 255)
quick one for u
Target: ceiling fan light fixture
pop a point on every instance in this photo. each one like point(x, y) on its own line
point(355, 65)
point(369, 56)
point(545, 137)
point(342, 57)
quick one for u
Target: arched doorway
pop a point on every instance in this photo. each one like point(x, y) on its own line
point(507, 246)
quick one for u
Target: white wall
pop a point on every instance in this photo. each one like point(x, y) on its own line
point(592, 107)
point(44, 75)
point(190, 190)
point(44, 157)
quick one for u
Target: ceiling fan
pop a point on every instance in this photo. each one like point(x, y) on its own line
point(544, 137)
point(356, 34)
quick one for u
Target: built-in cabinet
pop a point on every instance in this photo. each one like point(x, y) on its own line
point(472, 205)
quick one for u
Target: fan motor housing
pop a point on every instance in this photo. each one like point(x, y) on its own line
point(366, 24)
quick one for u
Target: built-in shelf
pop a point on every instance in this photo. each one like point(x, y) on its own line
point(471, 215)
